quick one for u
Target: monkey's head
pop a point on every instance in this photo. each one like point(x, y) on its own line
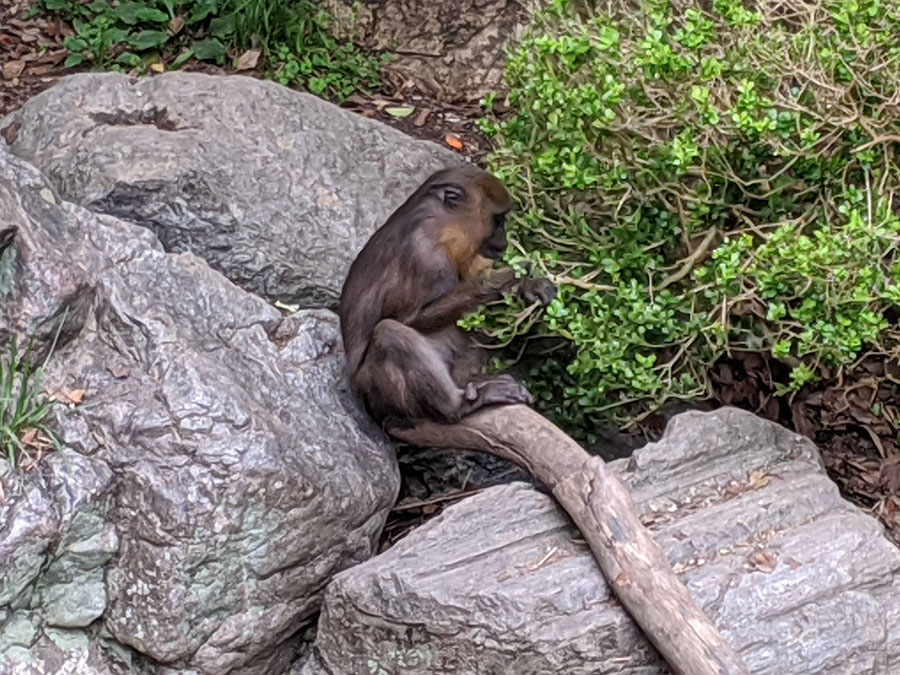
point(477, 203)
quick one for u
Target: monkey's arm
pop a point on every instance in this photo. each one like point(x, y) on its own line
point(466, 297)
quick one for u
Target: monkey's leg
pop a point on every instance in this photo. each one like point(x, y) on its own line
point(405, 377)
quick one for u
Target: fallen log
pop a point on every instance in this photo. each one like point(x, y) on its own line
point(635, 566)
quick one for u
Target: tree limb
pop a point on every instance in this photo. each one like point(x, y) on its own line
point(635, 566)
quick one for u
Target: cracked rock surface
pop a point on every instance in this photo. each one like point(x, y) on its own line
point(796, 578)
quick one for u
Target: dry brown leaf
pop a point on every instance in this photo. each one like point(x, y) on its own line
point(13, 69)
point(421, 118)
point(54, 57)
point(9, 133)
point(176, 24)
point(764, 561)
point(453, 141)
point(248, 60)
point(119, 372)
point(759, 479)
point(890, 476)
point(793, 564)
point(29, 437)
point(53, 28)
point(75, 396)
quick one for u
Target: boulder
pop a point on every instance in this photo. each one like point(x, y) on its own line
point(214, 473)
point(796, 578)
point(275, 189)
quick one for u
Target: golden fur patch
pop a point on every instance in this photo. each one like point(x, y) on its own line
point(458, 246)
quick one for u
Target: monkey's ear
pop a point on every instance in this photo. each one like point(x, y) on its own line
point(451, 194)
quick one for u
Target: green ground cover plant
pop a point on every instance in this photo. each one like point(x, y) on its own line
point(294, 39)
point(24, 409)
point(700, 179)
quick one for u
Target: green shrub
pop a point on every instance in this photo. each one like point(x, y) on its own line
point(699, 182)
point(293, 37)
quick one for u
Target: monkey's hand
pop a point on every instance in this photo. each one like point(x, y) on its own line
point(537, 289)
point(500, 279)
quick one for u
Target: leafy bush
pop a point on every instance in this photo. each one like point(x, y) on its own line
point(294, 38)
point(700, 181)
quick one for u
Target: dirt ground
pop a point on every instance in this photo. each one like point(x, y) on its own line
point(859, 447)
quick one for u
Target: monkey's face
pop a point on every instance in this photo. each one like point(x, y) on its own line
point(477, 203)
point(495, 243)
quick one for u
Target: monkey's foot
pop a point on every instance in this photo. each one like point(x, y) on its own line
point(496, 390)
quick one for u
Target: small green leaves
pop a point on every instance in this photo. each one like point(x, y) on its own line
point(148, 39)
point(293, 39)
point(695, 198)
point(222, 26)
point(74, 44)
point(128, 59)
point(210, 50)
point(127, 12)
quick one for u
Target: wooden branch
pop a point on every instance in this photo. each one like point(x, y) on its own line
point(634, 564)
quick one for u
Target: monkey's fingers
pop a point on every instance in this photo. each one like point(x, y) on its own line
point(538, 289)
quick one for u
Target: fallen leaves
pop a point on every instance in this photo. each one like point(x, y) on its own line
point(12, 69)
point(35, 445)
point(453, 141)
point(758, 479)
point(248, 60)
point(70, 397)
point(400, 112)
point(763, 561)
point(10, 132)
point(30, 50)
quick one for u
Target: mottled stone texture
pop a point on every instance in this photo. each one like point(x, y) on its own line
point(797, 579)
point(276, 189)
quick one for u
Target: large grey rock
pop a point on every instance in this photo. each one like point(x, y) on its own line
point(276, 189)
point(797, 579)
point(215, 476)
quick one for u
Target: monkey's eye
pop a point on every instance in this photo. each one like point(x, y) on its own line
point(450, 193)
point(499, 220)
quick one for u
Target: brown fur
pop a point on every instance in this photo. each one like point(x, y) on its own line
point(426, 267)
